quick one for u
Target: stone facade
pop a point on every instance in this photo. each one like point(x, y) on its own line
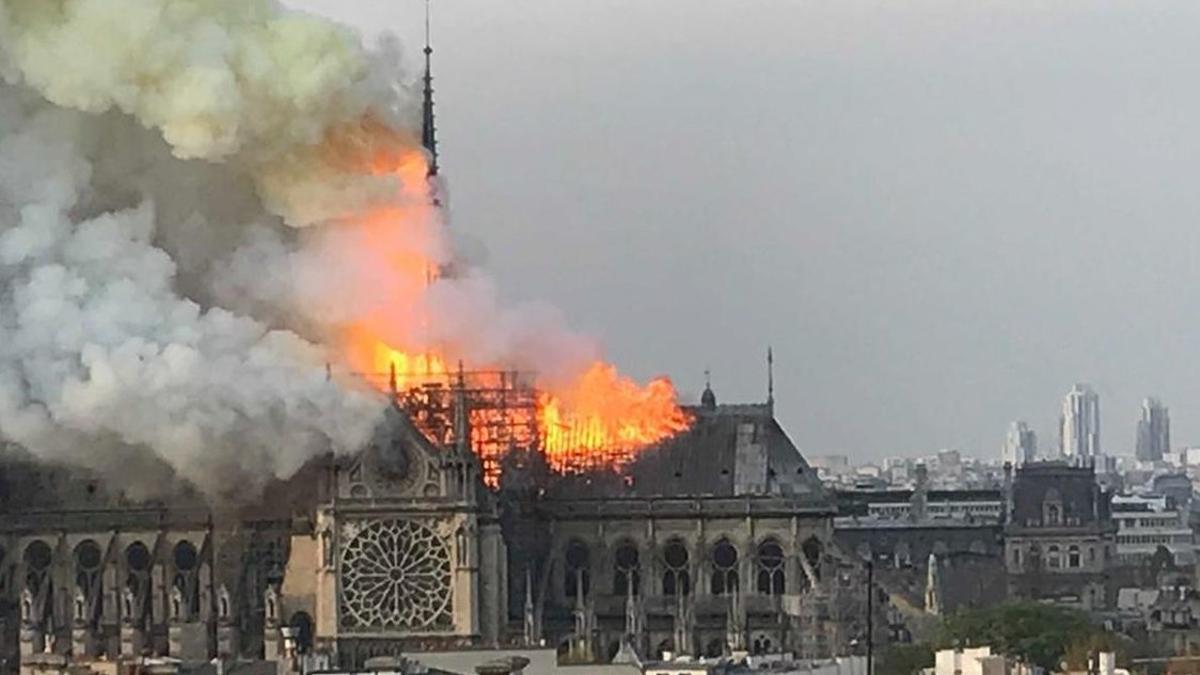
point(1060, 541)
point(719, 540)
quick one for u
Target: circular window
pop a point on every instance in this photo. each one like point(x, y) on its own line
point(137, 556)
point(87, 555)
point(577, 555)
point(627, 556)
point(38, 555)
point(770, 554)
point(185, 556)
point(675, 554)
point(396, 574)
point(724, 555)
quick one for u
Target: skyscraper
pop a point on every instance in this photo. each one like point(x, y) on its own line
point(1020, 445)
point(1153, 431)
point(1079, 426)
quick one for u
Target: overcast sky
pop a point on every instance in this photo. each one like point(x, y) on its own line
point(941, 214)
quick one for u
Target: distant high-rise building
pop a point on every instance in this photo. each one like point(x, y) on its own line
point(1080, 424)
point(1153, 431)
point(1020, 445)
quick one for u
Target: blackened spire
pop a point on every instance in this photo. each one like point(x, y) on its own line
point(428, 130)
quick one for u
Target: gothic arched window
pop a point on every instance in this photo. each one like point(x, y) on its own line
point(812, 550)
point(627, 578)
point(578, 574)
point(724, 568)
point(38, 557)
point(302, 623)
point(676, 580)
point(770, 567)
point(186, 560)
point(137, 557)
point(87, 579)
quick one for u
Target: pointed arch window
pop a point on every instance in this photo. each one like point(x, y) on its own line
point(627, 577)
point(676, 580)
point(724, 568)
point(88, 559)
point(770, 567)
point(812, 550)
point(578, 573)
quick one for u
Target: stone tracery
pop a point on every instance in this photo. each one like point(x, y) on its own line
point(396, 574)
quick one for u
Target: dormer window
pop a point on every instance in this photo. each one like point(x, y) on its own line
point(1053, 514)
point(1052, 509)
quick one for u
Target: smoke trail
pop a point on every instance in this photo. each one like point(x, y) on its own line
point(197, 200)
point(111, 230)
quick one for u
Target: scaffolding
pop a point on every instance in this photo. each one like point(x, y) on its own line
point(504, 414)
point(501, 408)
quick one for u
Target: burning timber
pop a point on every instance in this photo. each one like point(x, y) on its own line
point(501, 413)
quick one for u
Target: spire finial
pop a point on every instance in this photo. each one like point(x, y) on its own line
point(428, 131)
point(707, 398)
point(770, 377)
point(462, 419)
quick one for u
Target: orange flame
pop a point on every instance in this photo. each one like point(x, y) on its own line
point(603, 411)
point(600, 419)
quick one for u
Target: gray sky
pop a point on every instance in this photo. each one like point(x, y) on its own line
point(942, 214)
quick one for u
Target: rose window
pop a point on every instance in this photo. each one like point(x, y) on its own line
point(396, 574)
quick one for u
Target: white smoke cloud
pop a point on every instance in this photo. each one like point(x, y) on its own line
point(187, 195)
point(98, 347)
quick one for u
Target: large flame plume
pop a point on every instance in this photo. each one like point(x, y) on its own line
point(212, 214)
point(592, 412)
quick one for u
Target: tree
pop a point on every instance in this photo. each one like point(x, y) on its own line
point(1036, 633)
point(904, 659)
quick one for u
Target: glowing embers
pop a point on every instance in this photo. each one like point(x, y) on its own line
point(601, 423)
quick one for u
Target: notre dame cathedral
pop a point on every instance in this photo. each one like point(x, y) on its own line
point(718, 540)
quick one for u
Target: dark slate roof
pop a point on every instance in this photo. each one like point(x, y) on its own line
point(1075, 488)
point(730, 450)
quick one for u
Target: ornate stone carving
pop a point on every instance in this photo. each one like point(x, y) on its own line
point(395, 575)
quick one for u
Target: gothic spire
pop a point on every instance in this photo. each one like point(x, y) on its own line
point(428, 130)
